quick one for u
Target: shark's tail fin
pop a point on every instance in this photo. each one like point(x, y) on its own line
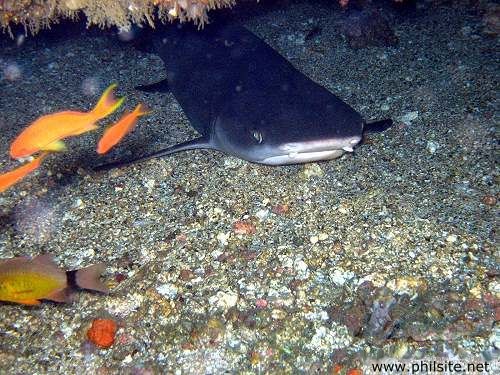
point(377, 126)
point(197, 143)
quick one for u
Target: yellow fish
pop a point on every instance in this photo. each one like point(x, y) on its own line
point(28, 280)
point(45, 133)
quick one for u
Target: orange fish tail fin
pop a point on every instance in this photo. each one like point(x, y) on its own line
point(107, 104)
point(141, 110)
point(88, 278)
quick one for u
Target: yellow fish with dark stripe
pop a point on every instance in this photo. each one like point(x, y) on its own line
point(28, 280)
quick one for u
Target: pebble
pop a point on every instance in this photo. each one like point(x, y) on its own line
point(407, 118)
point(340, 278)
point(322, 236)
point(12, 72)
point(302, 269)
point(167, 290)
point(233, 163)
point(278, 314)
point(451, 238)
point(312, 170)
point(326, 339)
point(149, 184)
point(343, 210)
point(432, 147)
point(262, 214)
point(224, 300)
point(223, 237)
point(78, 203)
point(495, 338)
point(494, 287)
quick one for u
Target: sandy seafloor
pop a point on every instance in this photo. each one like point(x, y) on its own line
point(387, 253)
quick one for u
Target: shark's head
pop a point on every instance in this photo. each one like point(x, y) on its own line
point(280, 145)
point(296, 121)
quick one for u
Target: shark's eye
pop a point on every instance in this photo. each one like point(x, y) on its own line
point(257, 135)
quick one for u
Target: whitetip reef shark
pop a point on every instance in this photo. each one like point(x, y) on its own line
point(248, 101)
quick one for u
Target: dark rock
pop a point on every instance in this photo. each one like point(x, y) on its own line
point(364, 28)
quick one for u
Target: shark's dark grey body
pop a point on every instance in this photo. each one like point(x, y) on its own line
point(246, 100)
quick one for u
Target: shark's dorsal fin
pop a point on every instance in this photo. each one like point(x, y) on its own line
point(201, 142)
point(161, 86)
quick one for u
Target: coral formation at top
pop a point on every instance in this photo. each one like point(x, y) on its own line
point(37, 14)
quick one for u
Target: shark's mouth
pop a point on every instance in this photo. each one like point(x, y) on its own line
point(295, 153)
point(302, 157)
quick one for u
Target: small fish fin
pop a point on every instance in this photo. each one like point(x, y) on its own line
point(141, 110)
point(377, 126)
point(161, 86)
point(197, 143)
point(59, 296)
point(88, 278)
point(56, 146)
point(31, 302)
point(107, 104)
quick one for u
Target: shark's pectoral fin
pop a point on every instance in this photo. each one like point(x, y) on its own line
point(201, 142)
point(161, 86)
point(377, 126)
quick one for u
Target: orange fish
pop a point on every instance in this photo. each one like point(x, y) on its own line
point(28, 280)
point(10, 178)
point(46, 132)
point(115, 133)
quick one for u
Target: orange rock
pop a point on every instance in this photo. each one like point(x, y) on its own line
point(244, 227)
point(354, 371)
point(337, 368)
point(102, 332)
point(280, 209)
point(489, 200)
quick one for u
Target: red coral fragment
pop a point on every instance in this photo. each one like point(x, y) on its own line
point(102, 332)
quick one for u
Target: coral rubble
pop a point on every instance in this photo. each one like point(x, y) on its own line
point(37, 14)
